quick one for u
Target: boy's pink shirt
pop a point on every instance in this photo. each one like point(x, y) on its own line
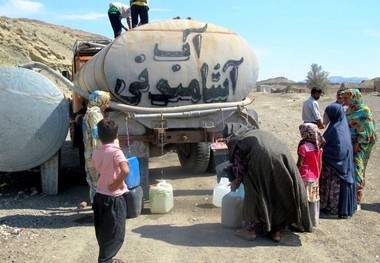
point(310, 169)
point(106, 159)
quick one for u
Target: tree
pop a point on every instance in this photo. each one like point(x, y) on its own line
point(316, 77)
point(288, 88)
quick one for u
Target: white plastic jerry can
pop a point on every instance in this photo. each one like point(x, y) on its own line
point(220, 190)
point(161, 197)
point(232, 205)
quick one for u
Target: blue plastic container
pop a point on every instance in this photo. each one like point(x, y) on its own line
point(133, 179)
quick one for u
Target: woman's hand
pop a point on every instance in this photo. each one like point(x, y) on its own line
point(235, 184)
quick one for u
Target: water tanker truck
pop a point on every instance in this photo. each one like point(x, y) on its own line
point(174, 84)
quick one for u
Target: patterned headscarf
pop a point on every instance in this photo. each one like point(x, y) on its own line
point(354, 96)
point(310, 133)
point(99, 98)
point(360, 118)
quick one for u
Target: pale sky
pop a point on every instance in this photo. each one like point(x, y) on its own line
point(342, 36)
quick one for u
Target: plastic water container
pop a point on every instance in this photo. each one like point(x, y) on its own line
point(161, 197)
point(232, 205)
point(240, 190)
point(220, 190)
point(135, 202)
point(133, 179)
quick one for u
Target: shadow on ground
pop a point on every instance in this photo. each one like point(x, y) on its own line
point(210, 235)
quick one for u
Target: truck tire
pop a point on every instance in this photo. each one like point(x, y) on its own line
point(50, 175)
point(194, 157)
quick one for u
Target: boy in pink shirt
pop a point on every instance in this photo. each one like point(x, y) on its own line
point(110, 209)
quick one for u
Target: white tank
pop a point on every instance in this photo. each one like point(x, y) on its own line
point(34, 117)
point(173, 63)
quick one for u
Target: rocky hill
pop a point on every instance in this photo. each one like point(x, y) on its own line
point(26, 40)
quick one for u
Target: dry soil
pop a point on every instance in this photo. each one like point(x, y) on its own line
point(54, 230)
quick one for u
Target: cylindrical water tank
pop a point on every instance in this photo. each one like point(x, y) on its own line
point(173, 63)
point(34, 119)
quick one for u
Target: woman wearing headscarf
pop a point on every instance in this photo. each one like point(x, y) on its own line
point(97, 104)
point(363, 136)
point(337, 187)
point(275, 195)
point(309, 164)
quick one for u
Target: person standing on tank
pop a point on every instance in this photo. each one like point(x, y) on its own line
point(139, 8)
point(116, 12)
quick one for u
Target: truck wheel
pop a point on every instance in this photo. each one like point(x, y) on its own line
point(194, 157)
point(50, 175)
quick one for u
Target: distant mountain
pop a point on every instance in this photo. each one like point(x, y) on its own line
point(338, 79)
point(275, 81)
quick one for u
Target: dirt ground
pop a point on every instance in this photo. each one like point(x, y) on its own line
point(53, 230)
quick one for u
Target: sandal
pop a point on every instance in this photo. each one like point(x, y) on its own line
point(297, 228)
point(247, 235)
point(275, 237)
point(115, 260)
point(82, 205)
